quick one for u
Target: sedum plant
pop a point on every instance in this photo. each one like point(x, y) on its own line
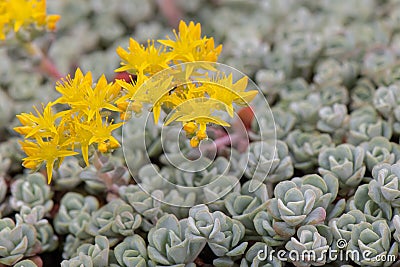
point(344, 162)
point(310, 238)
point(372, 241)
point(169, 244)
point(251, 258)
point(223, 234)
point(17, 241)
point(384, 188)
point(380, 150)
point(31, 191)
point(267, 161)
point(305, 147)
point(131, 252)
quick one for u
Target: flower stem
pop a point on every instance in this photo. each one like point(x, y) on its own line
point(46, 66)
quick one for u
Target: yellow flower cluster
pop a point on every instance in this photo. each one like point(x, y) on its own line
point(17, 14)
point(192, 98)
point(185, 94)
point(50, 136)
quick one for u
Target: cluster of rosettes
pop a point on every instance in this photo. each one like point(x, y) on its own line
point(50, 136)
point(24, 14)
point(191, 95)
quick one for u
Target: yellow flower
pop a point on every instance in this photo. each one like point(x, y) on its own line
point(140, 59)
point(42, 125)
point(48, 152)
point(198, 111)
point(189, 46)
point(79, 94)
point(72, 89)
point(224, 90)
point(102, 132)
point(16, 14)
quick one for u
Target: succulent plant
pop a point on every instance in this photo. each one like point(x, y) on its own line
point(113, 220)
point(310, 239)
point(71, 245)
point(362, 94)
point(372, 241)
point(332, 72)
point(386, 99)
point(305, 147)
point(363, 202)
point(91, 255)
point(103, 173)
point(384, 188)
point(45, 233)
point(294, 90)
point(301, 201)
point(344, 162)
point(396, 226)
point(3, 193)
point(263, 127)
point(306, 112)
point(244, 205)
point(131, 252)
point(263, 223)
point(67, 175)
point(148, 206)
point(168, 243)
point(126, 221)
point(270, 82)
point(343, 226)
point(31, 190)
point(333, 119)
point(17, 241)
point(380, 150)
point(254, 258)
point(267, 161)
point(365, 124)
point(74, 213)
point(223, 234)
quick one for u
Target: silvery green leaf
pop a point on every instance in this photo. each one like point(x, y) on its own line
point(126, 220)
point(103, 221)
point(309, 239)
point(386, 99)
point(73, 209)
point(384, 188)
point(306, 112)
point(263, 223)
point(149, 206)
point(45, 233)
point(131, 252)
point(244, 205)
point(333, 120)
point(380, 150)
point(374, 239)
point(81, 260)
point(31, 190)
point(223, 234)
point(98, 252)
point(67, 176)
point(72, 244)
point(362, 94)
point(169, 245)
point(259, 255)
point(342, 227)
point(263, 126)
point(267, 161)
point(364, 203)
point(365, 124)
point(305, 147)
point(344, 162)
point(25, 263)
point(17, 241)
